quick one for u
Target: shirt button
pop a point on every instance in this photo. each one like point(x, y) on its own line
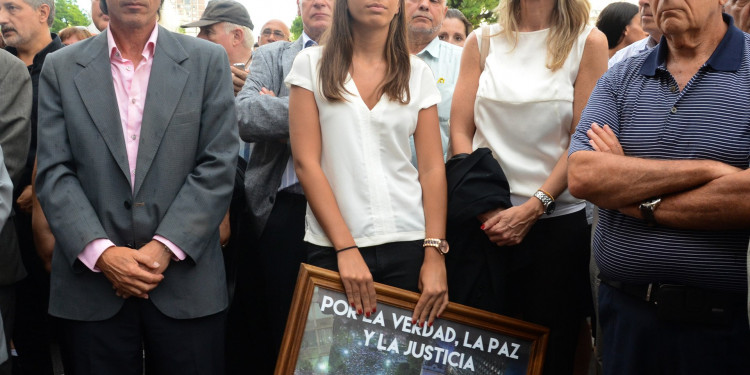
point(673, 89)
point(128, 68)
point(673, 110)
point(132, 100)
point(132, 137)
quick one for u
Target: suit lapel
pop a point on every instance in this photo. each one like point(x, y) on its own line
point(165, 85)
point(291, 52)
point(101, 104)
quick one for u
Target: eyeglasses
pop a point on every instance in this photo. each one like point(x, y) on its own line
point(276, 33)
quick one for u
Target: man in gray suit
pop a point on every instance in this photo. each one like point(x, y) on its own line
point(274, 195)
point(15, 136)
point(136, 158)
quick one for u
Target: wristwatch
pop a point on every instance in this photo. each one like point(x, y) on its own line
point(440, 245)
point(647, 209)
point(547, 200)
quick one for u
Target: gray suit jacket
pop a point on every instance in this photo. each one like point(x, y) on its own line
point(264, 120)
point(15, 136)
point(184, 172)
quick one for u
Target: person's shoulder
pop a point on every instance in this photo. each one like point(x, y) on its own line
point(76, 51)
point(8, 61)
point(276, 48)
point(595, 38)
point(629, 51)
point(417, 64)
point(450, 49)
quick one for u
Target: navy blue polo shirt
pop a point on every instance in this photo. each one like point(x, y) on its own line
point(652, 118)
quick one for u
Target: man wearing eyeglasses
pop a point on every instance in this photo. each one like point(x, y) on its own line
point(273, 31)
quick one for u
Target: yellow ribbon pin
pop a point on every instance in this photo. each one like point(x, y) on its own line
point(441, 80)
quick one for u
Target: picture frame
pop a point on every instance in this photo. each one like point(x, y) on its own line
point(324, 335)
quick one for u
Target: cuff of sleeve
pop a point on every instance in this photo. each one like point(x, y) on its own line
point(91, 253)
point(177, 253)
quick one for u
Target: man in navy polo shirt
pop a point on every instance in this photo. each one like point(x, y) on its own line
point(669, 173)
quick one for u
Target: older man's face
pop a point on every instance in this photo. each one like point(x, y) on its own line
point(133, 14)
point(273, 31)
point(98, 17)
point(425, 16)
point(21, 23)
point(317, 16)
point(647, 18)
point(218, 34)
point(675, 17)
point(740, 11)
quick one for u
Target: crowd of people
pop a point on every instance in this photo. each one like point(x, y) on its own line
point(156, 222)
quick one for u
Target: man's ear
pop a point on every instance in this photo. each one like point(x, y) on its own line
point(237, 36)
point(43, 13)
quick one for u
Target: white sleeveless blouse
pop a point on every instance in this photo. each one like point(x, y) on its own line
point(523, 111)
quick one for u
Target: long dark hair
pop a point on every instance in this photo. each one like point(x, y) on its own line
point(613, 20)
point(337, 56)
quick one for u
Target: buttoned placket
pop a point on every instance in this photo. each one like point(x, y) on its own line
point(130, 130)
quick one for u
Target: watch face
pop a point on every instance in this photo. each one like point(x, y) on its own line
point(444, 247)
point(550, 208)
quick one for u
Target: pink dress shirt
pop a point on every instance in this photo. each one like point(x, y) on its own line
point(131, 85)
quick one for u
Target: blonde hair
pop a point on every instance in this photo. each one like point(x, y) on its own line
point(78, 31)
point(569, 18)
point(337, 57)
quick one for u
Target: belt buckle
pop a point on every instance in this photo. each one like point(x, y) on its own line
point(648, 292)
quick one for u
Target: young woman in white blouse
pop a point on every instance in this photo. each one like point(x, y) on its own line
point(353, 104)
point(542, 65)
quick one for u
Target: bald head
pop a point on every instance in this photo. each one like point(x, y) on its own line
point(273, 31)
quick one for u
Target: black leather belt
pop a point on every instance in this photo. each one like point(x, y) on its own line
point(643, 292)
point(684, 303)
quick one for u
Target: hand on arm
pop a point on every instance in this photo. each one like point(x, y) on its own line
point(304, 128)
point(433, 281)
point(239, 76)
point(44, 241)
point(25, 201)
point(710, 206)
point(225, 231)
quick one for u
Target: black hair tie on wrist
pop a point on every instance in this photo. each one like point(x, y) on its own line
point(346, 248)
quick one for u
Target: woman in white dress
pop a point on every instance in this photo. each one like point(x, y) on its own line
point(542, 65)
point(353, 104)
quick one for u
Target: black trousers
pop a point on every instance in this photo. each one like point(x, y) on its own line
point(266, 277)
point(636, 341)
point(33, 327)
point(172, 346)
point(395, 264)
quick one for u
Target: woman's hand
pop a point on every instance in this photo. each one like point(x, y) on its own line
point(603, 139)
point(357, 280)
point(433, 283)
point(510, 226)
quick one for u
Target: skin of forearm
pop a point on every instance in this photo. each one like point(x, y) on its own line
point(434, 198)
point(718, 205)
point(614, 181)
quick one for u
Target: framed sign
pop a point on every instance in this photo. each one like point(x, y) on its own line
point(324, 335)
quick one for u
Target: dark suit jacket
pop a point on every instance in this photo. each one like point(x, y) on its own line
point(264, 119)
point(184, 172)
point(15, 136)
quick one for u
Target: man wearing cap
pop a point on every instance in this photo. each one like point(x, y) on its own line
point(227, 23)
point(274, 195)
